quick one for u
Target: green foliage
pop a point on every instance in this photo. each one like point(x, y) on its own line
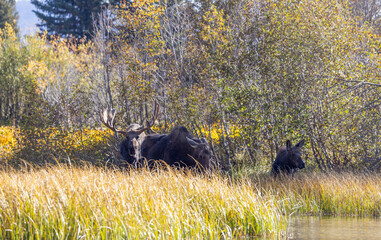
point(297, 74)
point(274, 70)
point(68, 18)
point(17, 88)
point(8, 14)
point(317, 52)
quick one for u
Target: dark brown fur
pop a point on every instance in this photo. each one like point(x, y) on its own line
point(288, 159)
point(132, 141)
point(179, 148)
point(134, 134)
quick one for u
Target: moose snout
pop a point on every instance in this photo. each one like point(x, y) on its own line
point(301, 165)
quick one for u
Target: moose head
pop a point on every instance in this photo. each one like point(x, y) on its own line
point(201, 151)
point(134, 134)
point(289, 159)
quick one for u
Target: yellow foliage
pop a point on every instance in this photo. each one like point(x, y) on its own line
point(8, 142)
point(217, 134)
point(141, 54)
point(7, 33)
point(56, 140)
point(214, 29)
point(71, 141)
point(145, 22)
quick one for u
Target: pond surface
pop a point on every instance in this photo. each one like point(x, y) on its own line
point(311, 228)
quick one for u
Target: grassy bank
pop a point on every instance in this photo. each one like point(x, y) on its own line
point(88, 202)
point(58, 203)
point(335, 194)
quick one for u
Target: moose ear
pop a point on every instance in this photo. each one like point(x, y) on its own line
point(192, 142)
point(288, 145)
point(300, 144)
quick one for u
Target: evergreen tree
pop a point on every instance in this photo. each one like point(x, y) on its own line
point(8, 13)
point(68, 17)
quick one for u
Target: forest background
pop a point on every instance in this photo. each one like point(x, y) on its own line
point(245, 74)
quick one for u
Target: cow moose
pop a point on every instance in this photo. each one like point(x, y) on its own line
point(289, 159)
point(178, 148)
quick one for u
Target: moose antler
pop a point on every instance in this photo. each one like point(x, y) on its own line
point(154, 117)
point(107, 117)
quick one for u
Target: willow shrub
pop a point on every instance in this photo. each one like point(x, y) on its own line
point(54, 145)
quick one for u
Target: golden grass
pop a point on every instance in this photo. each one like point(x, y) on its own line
point(336, 194)
point(88, 202)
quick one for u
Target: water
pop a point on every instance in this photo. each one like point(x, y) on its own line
point(313, 228)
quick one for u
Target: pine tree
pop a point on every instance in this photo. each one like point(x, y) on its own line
point(68, 17)
point(8, 13)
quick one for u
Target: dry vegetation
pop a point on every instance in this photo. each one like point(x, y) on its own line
point(61, 203)
point(87, 202)
point(334, 194)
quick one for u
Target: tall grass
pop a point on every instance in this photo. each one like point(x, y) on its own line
point(89, 202)
point(335, 194)
point(71, 203)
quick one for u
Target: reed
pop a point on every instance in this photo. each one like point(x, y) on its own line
point(88, 202)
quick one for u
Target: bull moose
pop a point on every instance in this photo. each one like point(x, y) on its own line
point(134, 134)
point(178, 148)
point(289, 159)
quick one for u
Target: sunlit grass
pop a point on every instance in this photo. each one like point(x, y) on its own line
point(335, 194)
point(61, 202)
point(89, 202)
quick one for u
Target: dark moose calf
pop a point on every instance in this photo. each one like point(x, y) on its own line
point(289, 159)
